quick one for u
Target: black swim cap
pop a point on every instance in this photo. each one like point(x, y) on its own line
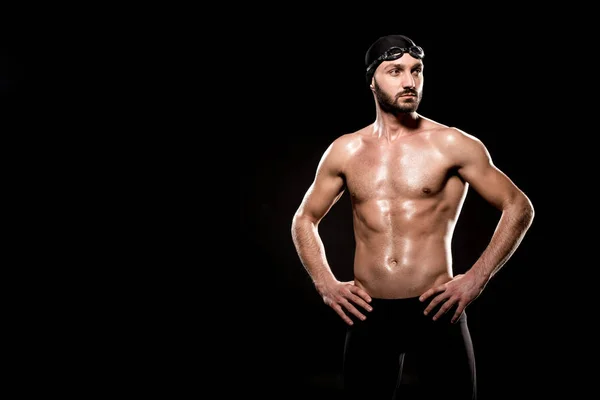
point(388, 48)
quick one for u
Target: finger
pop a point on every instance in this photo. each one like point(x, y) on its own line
point(458, 313)
point(342, 314)
point(433, 303)
point(426, 295)
point(361, 293)
point(431, 292)
point(350, 307)
point(444, 308)
point(361, 302)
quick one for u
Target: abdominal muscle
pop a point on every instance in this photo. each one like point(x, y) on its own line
point(402, 249)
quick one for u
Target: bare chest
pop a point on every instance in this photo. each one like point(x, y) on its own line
point(388, 173)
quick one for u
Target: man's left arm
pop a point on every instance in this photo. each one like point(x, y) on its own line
point(475, 166)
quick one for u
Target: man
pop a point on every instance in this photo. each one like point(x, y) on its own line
point(407, 177)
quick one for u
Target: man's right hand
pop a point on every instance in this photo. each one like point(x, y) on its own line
point(341, 296)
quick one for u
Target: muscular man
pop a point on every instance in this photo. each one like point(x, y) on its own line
point(407, 177)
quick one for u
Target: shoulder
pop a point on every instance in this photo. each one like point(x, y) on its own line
point(346, 144)
point(341, 150)
point(447, 135)
point(455, 140)
point(455, 143)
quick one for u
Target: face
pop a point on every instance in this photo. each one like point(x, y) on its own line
point(398, 84)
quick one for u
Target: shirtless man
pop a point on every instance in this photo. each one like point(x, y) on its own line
point(407, 177)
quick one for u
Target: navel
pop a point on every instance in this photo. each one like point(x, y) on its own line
point(426, 190)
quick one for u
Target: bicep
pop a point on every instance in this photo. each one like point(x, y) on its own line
point(491, 183)
point(323, 193)
point(486, 179)
point(328, 184)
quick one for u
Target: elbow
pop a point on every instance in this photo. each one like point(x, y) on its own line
point(298, 221)
point(525, 211)
point(519, 209)
point(295, 223)
point(301, 222)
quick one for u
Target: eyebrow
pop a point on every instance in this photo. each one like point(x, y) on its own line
point(403, 66)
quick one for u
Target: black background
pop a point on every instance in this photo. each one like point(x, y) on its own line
point(193, 137)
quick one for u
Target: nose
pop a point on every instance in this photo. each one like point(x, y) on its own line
point(408, 81)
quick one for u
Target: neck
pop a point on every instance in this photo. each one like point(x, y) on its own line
point(392, 126)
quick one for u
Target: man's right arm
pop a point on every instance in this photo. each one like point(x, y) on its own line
point(323, 193)
point(325, 190)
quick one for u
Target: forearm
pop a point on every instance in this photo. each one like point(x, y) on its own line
point(311, 250)
point(512, 227)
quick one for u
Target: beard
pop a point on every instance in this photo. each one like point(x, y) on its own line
point(392, 105)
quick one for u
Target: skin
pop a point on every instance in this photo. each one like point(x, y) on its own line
point(407, 177)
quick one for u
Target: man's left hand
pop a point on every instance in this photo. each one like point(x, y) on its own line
point(459, 292)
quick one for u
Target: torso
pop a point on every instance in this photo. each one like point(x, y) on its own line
point(405, 197)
